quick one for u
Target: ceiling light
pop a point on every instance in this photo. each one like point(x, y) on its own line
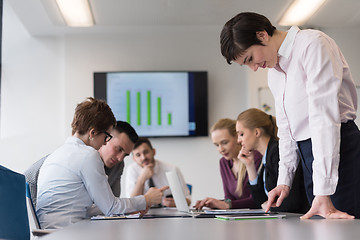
point(76, 13)
point(300, 11)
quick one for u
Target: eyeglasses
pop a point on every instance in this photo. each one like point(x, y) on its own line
point(108, 137)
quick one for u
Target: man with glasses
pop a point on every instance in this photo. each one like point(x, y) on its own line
point(113, 154)
point(108, 137)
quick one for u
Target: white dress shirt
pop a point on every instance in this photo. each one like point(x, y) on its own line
point(70, 181)
point(159, 177)
point(314, 93)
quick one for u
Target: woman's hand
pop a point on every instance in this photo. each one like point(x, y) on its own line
point(211, 203)
point(323, 206)
point(246, 157)
point(264, 205)
point(277, 196)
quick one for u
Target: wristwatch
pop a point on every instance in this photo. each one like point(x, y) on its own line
point(228, 201)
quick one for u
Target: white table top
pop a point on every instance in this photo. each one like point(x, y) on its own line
point(290, 228)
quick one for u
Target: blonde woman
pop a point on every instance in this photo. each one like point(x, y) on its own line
point(257, 131)
point(233, 171)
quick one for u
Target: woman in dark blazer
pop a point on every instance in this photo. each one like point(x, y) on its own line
point(257, 131)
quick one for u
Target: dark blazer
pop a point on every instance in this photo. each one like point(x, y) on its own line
point(296, 202)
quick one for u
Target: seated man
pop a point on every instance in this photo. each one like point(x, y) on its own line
point(147, 172)
point(112, 158)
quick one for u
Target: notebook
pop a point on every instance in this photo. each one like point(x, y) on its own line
point(250, 217)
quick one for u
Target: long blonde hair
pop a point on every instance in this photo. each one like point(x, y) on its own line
point(230, 125)
point(255, 118)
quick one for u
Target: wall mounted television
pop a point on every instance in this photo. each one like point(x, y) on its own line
point(157, 103)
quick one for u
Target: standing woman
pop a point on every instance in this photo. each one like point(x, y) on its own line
point(233, 171)
point(316, 102)
point(257, 131)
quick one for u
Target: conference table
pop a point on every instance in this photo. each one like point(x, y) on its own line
point(185, 228)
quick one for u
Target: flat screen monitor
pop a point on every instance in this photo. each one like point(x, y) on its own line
point(157, 104)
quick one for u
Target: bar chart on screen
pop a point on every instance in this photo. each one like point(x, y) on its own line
point(151, 103)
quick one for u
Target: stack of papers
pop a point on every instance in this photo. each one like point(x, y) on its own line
point(116, 216)
point(250, 216)
point(234, 211)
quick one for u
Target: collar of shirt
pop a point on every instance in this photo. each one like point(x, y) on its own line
point(230, 162)
point(286, 46)
point(264, 158)
point(156, 167)
point(76, 140)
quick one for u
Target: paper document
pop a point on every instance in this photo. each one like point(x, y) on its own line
point(233, 211)
point(116, 216)
point(250, 217)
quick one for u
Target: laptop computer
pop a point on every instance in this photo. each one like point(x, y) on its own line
point(182, 206)
point(178, 192)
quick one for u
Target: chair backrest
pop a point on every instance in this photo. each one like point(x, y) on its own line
point(14, 223)
point(31, 176)
point(33, 219)
point(189, 187)
point(34, 222)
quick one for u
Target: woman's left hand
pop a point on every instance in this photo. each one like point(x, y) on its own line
point(247, 157)
point(323, 206)
point(212, 203)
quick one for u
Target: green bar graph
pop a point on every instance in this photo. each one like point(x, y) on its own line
point(149, 107)
point(128, 106)
point(148, 93)
point(138, 108)
point(159, 110)
point(169, 119)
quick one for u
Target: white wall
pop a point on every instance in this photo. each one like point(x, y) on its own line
point(32, 100)
point(44, 78)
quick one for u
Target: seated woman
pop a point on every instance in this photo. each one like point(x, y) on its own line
point(257, 131)
point(233, 171)
point(73, 177)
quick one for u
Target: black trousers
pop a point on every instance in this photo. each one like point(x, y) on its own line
point(347, 195)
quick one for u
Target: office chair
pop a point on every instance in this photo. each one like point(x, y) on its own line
point(31, 176)
point(189, 187)
point(35, 226)
point(14, 223)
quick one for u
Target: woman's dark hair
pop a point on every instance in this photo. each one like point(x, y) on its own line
point(239, 33)
point(124, 127)
point(92, 113)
